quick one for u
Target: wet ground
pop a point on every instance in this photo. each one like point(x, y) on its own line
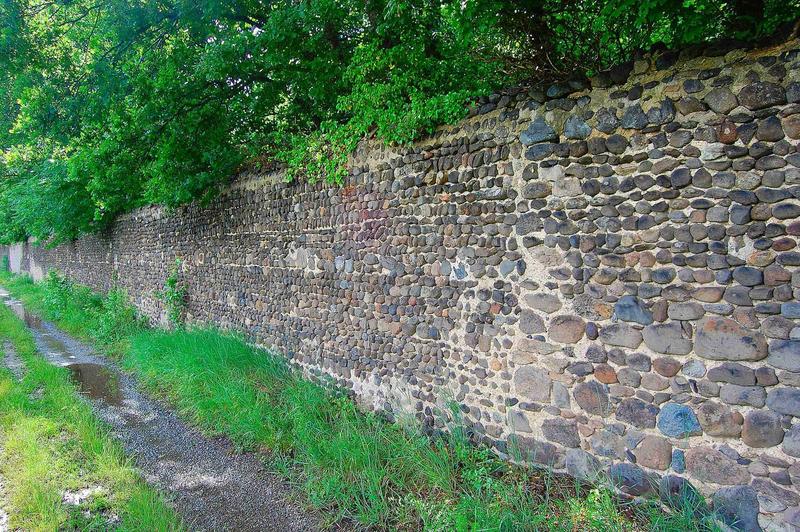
point(210, 485)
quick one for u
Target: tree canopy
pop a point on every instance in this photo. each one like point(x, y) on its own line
point(107, 105)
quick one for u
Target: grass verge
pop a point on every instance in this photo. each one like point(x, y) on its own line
point(61, 469)
point(352, 464)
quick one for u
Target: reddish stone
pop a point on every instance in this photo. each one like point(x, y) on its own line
point(566, 329)
point(761, 258)
point(654, 452)
point(784, 244)
point(762, 429)
point(605, 374)
point(604, 310)
point(746, 317)
point(703, 276)
point(647, 259)
point(592, 397)
point(727, 132)
point(666, 366)
point(766, 376)
point(791, 126)
point(708, 294)
point(761, 211)
point(697, 217)
point(660, 309)
point(775, 275)
point(632, 259)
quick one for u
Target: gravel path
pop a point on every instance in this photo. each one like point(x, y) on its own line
point(212, 486)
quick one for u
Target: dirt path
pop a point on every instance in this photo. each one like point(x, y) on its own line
point(211, 485)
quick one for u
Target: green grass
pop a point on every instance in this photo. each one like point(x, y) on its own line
point(53, 444)
point(350, 464)
point(106, 321)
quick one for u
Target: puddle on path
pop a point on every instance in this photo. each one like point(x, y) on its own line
point(93, 380)
point(29, 319)
point(96, 382)
point(55, 348)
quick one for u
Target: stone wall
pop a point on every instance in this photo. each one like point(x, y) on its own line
point(14, 254)
point(602, 275)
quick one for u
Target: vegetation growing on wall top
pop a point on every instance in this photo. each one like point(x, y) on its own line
point(109, 105)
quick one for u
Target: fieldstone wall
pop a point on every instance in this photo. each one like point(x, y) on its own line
point(605, 276)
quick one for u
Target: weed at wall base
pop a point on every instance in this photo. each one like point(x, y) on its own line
point(174, 296)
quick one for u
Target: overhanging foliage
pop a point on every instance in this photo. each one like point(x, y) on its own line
point(106, 105)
